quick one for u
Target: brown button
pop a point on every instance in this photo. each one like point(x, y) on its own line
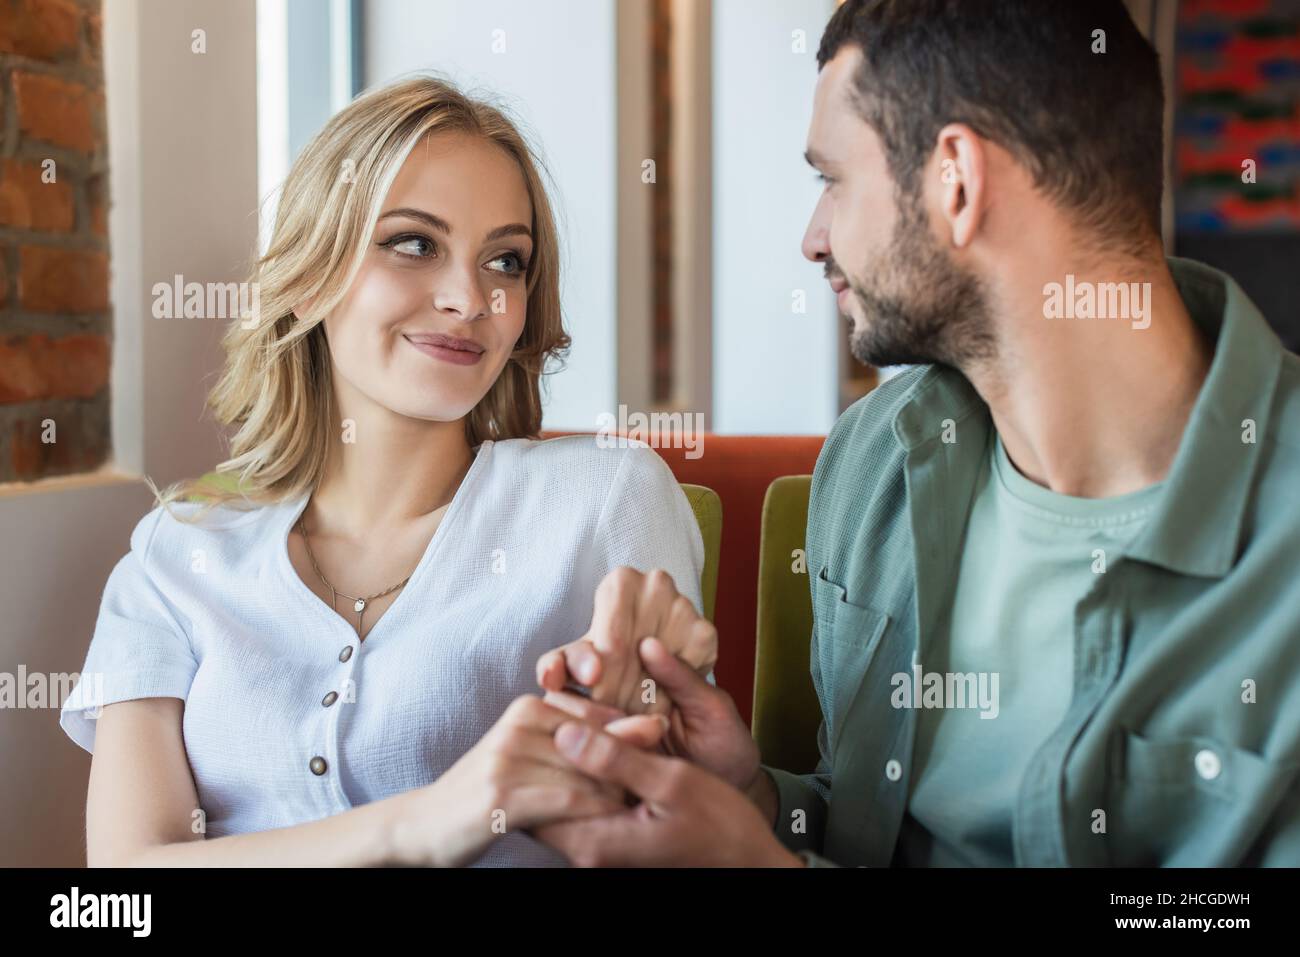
point(346, 653)
point(330, 698)
point(318, 766)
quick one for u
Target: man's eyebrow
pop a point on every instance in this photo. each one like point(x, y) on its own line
point(442, 226)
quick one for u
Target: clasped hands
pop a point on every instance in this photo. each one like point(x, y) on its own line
point(674, 766)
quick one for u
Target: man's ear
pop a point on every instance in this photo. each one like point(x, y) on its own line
point(963, 169)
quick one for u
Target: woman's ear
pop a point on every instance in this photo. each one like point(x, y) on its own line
point(304, 308)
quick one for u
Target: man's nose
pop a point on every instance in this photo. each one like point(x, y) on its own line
point(816, 238)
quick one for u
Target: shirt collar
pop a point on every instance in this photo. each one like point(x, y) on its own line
point(1195, 528)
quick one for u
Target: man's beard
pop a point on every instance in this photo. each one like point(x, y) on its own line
point(920, 307)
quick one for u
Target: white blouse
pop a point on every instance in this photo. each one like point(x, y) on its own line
point(218, 617)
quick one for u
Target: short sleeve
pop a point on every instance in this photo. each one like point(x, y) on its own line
point(647, 523)
point(138, 649)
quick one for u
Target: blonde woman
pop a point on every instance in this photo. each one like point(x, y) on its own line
point(333, 665)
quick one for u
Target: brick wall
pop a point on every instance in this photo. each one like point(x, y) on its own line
point(55, 327)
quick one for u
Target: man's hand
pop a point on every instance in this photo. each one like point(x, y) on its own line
point(630, 606)
point(704, 726)
point(687, 816)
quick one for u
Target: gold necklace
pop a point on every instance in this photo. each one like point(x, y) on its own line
point(358, 604)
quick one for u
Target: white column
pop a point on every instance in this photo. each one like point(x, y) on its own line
point(774, 368)
point(555, 66)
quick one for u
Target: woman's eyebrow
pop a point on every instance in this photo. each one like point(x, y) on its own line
point(436, 222)
point(442, 226)
point(514, 229)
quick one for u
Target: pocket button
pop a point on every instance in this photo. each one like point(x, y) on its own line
point(1208, 765)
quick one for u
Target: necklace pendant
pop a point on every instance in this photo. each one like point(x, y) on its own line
point(360, 605)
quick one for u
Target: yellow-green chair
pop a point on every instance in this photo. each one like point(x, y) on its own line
point(704, 503)
point(786, 711)
point(708, 514)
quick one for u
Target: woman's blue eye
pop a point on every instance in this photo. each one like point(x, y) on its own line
point(417, 247)
point(516, 263)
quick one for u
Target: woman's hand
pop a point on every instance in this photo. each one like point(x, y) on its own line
point(630, 606)
point(511, 780)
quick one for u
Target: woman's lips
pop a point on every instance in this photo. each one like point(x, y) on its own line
point(461, 352)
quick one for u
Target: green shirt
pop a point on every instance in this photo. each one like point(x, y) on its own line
point(1180, 744)
point(1029, 556)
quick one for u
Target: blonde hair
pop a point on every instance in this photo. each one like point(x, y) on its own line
point(276, 387)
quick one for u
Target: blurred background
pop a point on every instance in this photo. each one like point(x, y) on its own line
point(171, 123)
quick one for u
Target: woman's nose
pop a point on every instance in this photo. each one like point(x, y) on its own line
point(458, 292)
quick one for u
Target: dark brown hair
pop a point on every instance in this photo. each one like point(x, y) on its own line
point(1022, 73)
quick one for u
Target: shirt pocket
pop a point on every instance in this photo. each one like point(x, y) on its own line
point(1192, 801)
point(850, 639)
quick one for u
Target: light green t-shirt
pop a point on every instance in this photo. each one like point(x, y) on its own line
point(1029, 556)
